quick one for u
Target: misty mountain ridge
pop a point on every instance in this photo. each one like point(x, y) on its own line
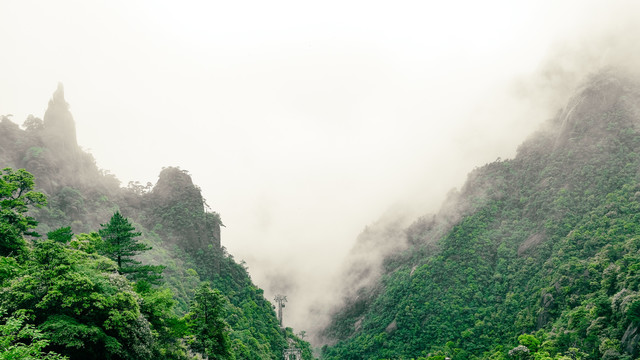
point(70, 177)
point(172, 216)
point(534, 256)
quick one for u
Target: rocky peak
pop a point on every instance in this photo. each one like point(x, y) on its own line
point(176, 185)
point(603, 94)
point(177, 204)
point(59, 126)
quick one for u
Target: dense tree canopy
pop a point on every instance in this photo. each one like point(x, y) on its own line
point(207, 325)
point(61, 298)
point(539, 262)
point(16, 195)
point(171, 218)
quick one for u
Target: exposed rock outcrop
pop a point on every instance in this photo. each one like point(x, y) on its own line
point(177, 204)
point(59, 126)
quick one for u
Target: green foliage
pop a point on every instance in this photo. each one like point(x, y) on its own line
point(157, 306)
point(62, 235)
point(207, 329)
point(541, 263)
point(22, 341)
point(70, 201)
point(177, 204)
point(16, 195)
point(89, 243)
point(172, 218)
point(119, 244)
point(530, 341)
point(79, 304)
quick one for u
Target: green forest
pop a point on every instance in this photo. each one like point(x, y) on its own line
point(536, 257)
point(93, 270)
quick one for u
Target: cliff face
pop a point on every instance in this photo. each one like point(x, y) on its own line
point(84, 195)
point(177, 204)
point(49, 150)
point(172, 216)
point(582, 117)
point(545, 243)
point(10, 141)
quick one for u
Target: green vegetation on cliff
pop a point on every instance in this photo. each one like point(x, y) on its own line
point(540, 261)
point(122, 272)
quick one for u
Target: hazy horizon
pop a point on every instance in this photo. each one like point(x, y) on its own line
point(304, 123)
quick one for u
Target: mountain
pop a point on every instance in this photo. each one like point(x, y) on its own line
point(535, 256)
point(173, 219)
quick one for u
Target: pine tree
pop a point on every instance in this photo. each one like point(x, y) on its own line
point(120, 243)
point(209, 331)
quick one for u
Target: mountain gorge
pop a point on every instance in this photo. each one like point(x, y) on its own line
point(534, 257)
point(172, 218)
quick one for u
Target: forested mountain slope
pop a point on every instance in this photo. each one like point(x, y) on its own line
point(174, 220)
point(535, 257)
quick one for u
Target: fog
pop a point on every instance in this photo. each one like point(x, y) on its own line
point(302, 123)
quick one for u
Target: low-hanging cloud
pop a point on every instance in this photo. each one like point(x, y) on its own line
point(302, 124)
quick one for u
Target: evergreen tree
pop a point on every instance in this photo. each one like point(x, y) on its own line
point(209, 331)
point(120, 243)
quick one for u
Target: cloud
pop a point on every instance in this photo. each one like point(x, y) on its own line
point(304, 123)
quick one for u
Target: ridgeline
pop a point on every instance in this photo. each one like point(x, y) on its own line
point(180, 295)
point(536, 257)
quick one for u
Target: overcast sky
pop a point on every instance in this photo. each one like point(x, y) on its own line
point(302, 122)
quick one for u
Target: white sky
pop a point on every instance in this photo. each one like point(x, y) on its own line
point(301, 121)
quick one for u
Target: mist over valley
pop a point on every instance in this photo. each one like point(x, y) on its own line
point(411, 177)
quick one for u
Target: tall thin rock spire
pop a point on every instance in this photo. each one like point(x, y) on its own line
point(59, 126)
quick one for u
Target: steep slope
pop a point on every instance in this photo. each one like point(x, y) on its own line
point(172, 216)
point(544, 244)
